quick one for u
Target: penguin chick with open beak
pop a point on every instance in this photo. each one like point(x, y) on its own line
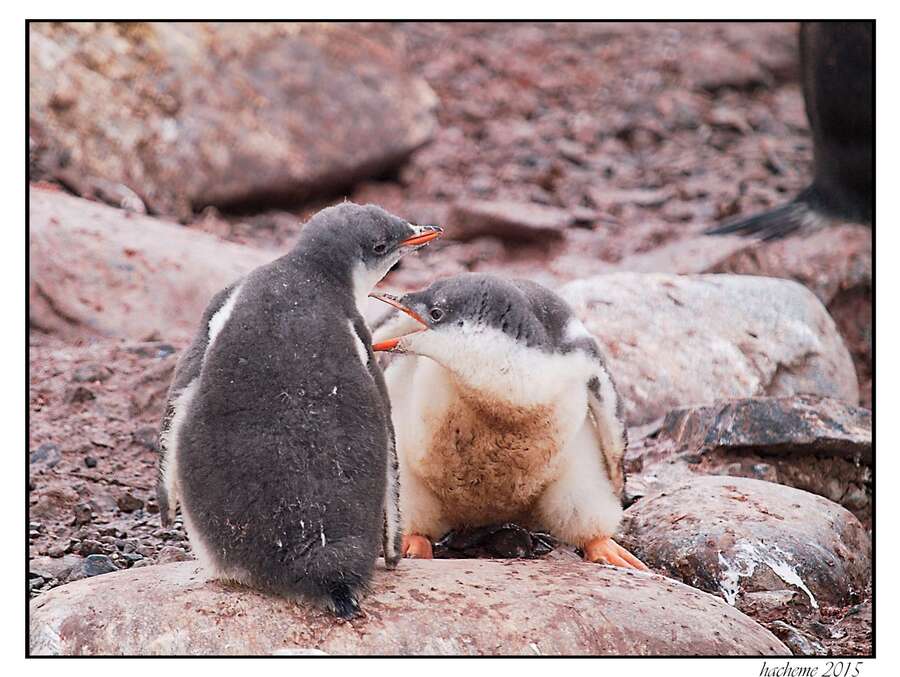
point(504, 411)
point(277, 438)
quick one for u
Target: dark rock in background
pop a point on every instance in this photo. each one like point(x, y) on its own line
point(96, 565)
point(816, 444)
point(46, 454)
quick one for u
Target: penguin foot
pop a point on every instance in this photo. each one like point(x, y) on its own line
point(417, 547)
point(605, 550)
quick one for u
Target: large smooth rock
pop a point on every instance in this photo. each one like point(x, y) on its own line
point(195, 114)
point(684, 340)
point(835, 263)
point(816, 444)
point(732, 536)
point(100, 271)
point(467, 607)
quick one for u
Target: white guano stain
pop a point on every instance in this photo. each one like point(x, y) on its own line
point(746, 557)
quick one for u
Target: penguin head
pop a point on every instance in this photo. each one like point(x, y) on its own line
point(467, 322)
point(365, 240)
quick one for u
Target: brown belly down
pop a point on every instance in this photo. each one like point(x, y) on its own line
point(488, 461)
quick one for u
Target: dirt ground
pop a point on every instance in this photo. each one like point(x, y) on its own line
point(646, 133)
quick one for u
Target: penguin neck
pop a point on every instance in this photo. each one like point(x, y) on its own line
point(363, 280)
point(488, 363)
point(327, 268)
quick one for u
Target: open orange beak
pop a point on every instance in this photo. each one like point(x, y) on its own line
point(426, 234)
point(392, 300)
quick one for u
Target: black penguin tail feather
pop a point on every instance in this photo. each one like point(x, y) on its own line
point(775, 224)
point(335, 574)
point(343, 601)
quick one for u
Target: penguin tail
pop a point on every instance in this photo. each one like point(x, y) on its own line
point(775, 224)
point(336, 574)
point(343, 601)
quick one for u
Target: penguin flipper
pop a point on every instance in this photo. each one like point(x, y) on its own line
point(604, 406)
point(187, 371)
point(391, 544)
point(391, 529)
point(167, 503)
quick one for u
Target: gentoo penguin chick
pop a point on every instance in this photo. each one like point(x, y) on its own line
point(504, 411)
point(277, 438)
point(837, 63)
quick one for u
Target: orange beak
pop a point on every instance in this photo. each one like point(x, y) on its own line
point(390, 344)
point(430, 233)
point(391, 300)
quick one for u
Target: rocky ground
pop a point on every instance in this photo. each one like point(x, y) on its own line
point(558, 153)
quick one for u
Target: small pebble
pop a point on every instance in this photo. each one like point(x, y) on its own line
point(147, 436)
point(47, 453)
point(172, 554)
point(90, 547)
point(128, 502)
point(83, 513)
point(94, 565)
point(79, 394)
point(89, 373)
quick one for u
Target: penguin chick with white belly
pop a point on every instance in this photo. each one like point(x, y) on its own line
point(277, 439)
point(504, 411)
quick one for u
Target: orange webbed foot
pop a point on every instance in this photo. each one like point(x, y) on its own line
point(605, 550)
point(417, 546)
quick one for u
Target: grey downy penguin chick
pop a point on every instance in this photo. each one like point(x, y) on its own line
point(837, 63)
point(504, 411)
point(277, 439)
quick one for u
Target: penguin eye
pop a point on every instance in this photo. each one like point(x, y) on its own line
point(436, 314)
point(380, 248)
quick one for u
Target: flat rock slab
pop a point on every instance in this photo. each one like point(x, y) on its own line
point(733, 535)
point(521, 222)
point(816, 444)
point(467, 607)
point(686, 340)
point(100, 271)
point(776, 426)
